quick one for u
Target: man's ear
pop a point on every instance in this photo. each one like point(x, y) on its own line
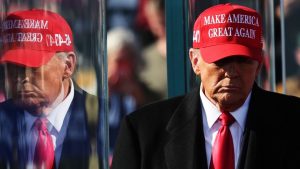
point(194, 55)
point(70, 64)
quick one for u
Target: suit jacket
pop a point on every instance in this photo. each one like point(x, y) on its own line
point(169, 134)
point(77, 142)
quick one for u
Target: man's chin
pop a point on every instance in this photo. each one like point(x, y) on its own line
point(231, 100)
point(33, 107)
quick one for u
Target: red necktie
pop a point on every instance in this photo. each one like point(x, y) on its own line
point(222, 150)
point(44, 150)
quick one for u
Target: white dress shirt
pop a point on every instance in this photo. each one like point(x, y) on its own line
point(56, 127)
point(211, 125)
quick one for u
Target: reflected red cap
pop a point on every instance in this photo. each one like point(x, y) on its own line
point(32, 37)
point(226, 30)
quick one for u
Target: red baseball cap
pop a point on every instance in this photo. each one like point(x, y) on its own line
point(32, 37)
point(227, 30)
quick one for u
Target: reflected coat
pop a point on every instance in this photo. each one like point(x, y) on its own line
point(77, 142)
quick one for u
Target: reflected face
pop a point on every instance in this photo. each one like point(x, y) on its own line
point(228, 81)
point(36, 88)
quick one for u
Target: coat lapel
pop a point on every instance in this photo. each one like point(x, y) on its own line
point(76, 146)
point(249, 156)
point(259, 148)
point(186, 146)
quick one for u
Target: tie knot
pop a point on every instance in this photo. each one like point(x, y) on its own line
point(226, 119)
point(41, 124)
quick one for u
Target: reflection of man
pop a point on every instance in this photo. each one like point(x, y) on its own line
point(228, 122)
point(44, 124)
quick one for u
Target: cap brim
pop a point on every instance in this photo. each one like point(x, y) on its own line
point(217, 52)
point(29, 58)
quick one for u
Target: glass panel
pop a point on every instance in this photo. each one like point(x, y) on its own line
point(56, 74)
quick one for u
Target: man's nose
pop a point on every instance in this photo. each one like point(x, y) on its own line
point(231, 69)
point(23, 75)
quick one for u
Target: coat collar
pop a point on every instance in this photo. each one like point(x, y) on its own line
point(186, 145)
point(248, 156)
point(187, 110)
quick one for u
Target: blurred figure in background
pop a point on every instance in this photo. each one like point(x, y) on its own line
point(292, 44)
point(121, 13)
point(126, 91)
point(293, 81)
point(292, 28)
point(154, 73)
point(141, 26)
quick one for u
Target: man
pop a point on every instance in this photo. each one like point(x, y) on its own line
point(226, 123)
point(44, 124)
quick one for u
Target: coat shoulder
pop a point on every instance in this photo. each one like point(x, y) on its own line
point(156, 111)
point(277, 99)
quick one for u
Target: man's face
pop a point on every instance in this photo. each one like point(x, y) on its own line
point(36, 88)
point(228, 81)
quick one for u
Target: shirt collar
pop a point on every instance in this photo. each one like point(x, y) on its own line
point(212, 113)
point(57, 115)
